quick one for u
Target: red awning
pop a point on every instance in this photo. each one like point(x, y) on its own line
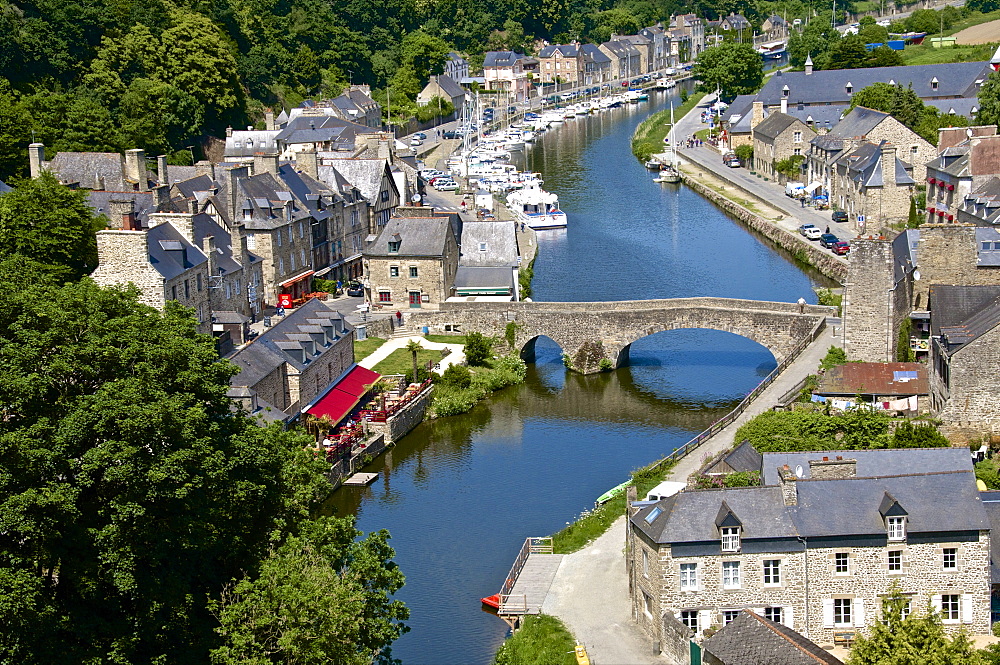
point(345, 395)
point(297, 278)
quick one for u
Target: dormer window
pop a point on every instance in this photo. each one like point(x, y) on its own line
point(896, 528)
point(393, 246)
point(849, 88)
point(731, 539)
point(785, 91)
point(934, 83)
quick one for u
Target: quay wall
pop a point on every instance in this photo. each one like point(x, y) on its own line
point(826, 263)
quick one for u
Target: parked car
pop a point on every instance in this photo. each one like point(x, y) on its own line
point(446, 186)
point(828, 240)
point(839, 216)
point(732, 161)
point(450, 134)
point(354, 289)
point(415, 141)
point(841, 247)
point(421, 136)
point(810, 231)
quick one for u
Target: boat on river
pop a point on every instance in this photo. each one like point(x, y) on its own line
point(536, 208)
point(612, 493)
point(669, 171)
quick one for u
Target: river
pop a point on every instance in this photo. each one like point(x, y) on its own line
point(460, 495)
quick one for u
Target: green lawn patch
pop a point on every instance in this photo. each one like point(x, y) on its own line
point(365, 347)
point(648, 137)
point(525, 275)
point(592, 523)
point(975, 18)
point(541, 640)
point(400, 361)
point(927, 55)
point(446, 339)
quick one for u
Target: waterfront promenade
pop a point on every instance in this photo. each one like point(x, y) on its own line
point(590, 590)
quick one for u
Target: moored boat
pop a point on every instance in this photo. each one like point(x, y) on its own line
point(536, 208)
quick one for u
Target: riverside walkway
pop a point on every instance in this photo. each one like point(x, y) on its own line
point(590, 590)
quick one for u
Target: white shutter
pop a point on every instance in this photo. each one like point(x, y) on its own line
point(859, 612)
point(936, 603)
point(828, 612)
point(704, 620)
point(967, 608)
point(787, 615)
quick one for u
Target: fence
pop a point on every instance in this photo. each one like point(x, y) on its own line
point(534, 545)
point(381, 415)
point(723, 422)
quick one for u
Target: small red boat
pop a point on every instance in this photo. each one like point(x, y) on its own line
point(493, 601)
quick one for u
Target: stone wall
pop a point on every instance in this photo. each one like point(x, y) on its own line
point(190, 289)
point(123, 258)
point(306, 386)
point(869, 333)
point(970, 406)
point(430, 280)
point(400, 424)
point(947, 255)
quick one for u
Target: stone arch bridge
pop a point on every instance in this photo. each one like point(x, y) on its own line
point(590, 332)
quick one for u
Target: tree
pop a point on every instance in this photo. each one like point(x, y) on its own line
point(51, 224)
point(815, 41)
point(15, 128)
point(989, 101)
point(478, 349)
point(322, 596)
point(917, 639)
point(745, 153)
point(902, 103)
point(736, 69)
point(883, 56)
point(413, 346)
point(848, 53)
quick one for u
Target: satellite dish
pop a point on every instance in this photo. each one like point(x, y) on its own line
point(798, 471)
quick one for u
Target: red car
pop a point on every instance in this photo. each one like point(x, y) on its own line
point(842, 247)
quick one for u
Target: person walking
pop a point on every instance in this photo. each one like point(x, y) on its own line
point(399, 318)
point(828, 229)
point(802, 200)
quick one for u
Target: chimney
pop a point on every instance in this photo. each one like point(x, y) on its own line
point(229, 132)
point(789, 491)
point(829, 469)
point(888, 164)
point(232, 178)
point(205, 167)
point(182, 221)
point(192, 206)
point(36, 156)
point(162, 174)
point(308, 162)
point(121, 213)
point(269, 121)
point(161, 198)
point(135, 168)
point(264, 162)
point(784, 105)
point(809, 65)
point(757, 115)
point(208, 247)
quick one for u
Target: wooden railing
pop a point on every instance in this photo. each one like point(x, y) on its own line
point(513, 603)
point(381, 415)
point(534, 545)
point(723, 422)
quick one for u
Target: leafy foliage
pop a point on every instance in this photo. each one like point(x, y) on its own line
point(735, 69)
point(745, 153)
point(917, 639)
point(989, 100)
point(478, 349)
point(541, 640)
point(451, 399)
point(458, 376)
point(835, 355)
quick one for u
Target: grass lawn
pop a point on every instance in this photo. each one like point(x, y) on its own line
point(446, 339)
point(926, 55)
point(975, 19)
point(541, 640)
point(365, 347)
point(648, 138)
point(400, 361)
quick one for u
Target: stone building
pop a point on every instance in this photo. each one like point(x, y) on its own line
point(456, 67)
point(626, 61)
point(779, 137)
point(412, 263)
point(642, 44)
point(737, 24)
point(817, 545)
point(965, 359)
point(750, 638)
point(443, 86)
point(488, 263)
point(873, 186)
point(373, 178)
point(659, 40)
point(967, 158)
point(508, 72)
point(774, 27)
point(693, 28)
point(292, 363)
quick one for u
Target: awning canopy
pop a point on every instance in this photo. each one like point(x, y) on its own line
point(297, 278)
point(344, 395)
point(813, 186)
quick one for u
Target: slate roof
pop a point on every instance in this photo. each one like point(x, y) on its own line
point(984, 202)
point(621, 49)
point(864, 165)
point(872, 463)
point(567, 50)
point(953, 161)
point(244, 143)
point(773, 125)
point(873, 379)
point(4, 187)
point(934, 502)
point(483, 277)
point(951, 305)
point(447, 85)
point(965, 106)
point(203, 226)
point(501, 58)
point(991, 502)
point(85, 168)
point(594, 54)
point(743, 457)
point(904, 252)
point(635, 40)
point(500, 240)
point(418, 237)
point(858, 123)
point(322, 129)
point(100, 201)
point(365, 174)
point(736, 21)
point(828, 86)
point(776, 20)
point(750, 639)
point(170, 253)
point(265, 197)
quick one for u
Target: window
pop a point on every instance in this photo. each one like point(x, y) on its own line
point(279, 238)
point(281, 266)
point(731, 539)
point(300, 229)
point(413, 271)
point(645, 563)
point(689, 576)
point(842, 612)
point(950, 558)
point(384, 195)
point(896, 528)
point(198, 281)
point(187, 288)
point(797, 151)
point(251, 241)
point(773, 614)
point(690, 619)
point(173, 292)
point(647, 605)
point(949, 607)
point(393, 246)
point(895, 561)
point(797, 137)
point(840, 563)
point(384, 296)
point(292, 259)
point(914, 149)
point(731, 574)
point(482, 247)
point(772, 572)
point(728, 616)
point(302, 257)
point(291, 238)
point(393, 271)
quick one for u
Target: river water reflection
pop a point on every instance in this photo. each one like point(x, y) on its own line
point(460, 495)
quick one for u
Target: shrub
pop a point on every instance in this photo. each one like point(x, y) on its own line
point(458, 376)
point(745, 153)
point(834, 356)
point(478, 349)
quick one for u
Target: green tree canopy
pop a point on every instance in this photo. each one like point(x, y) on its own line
point(902, 103)
point(736, 69)
point(51, 224)
point(989, 101)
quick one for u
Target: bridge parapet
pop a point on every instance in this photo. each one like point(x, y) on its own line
point(597, 335)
